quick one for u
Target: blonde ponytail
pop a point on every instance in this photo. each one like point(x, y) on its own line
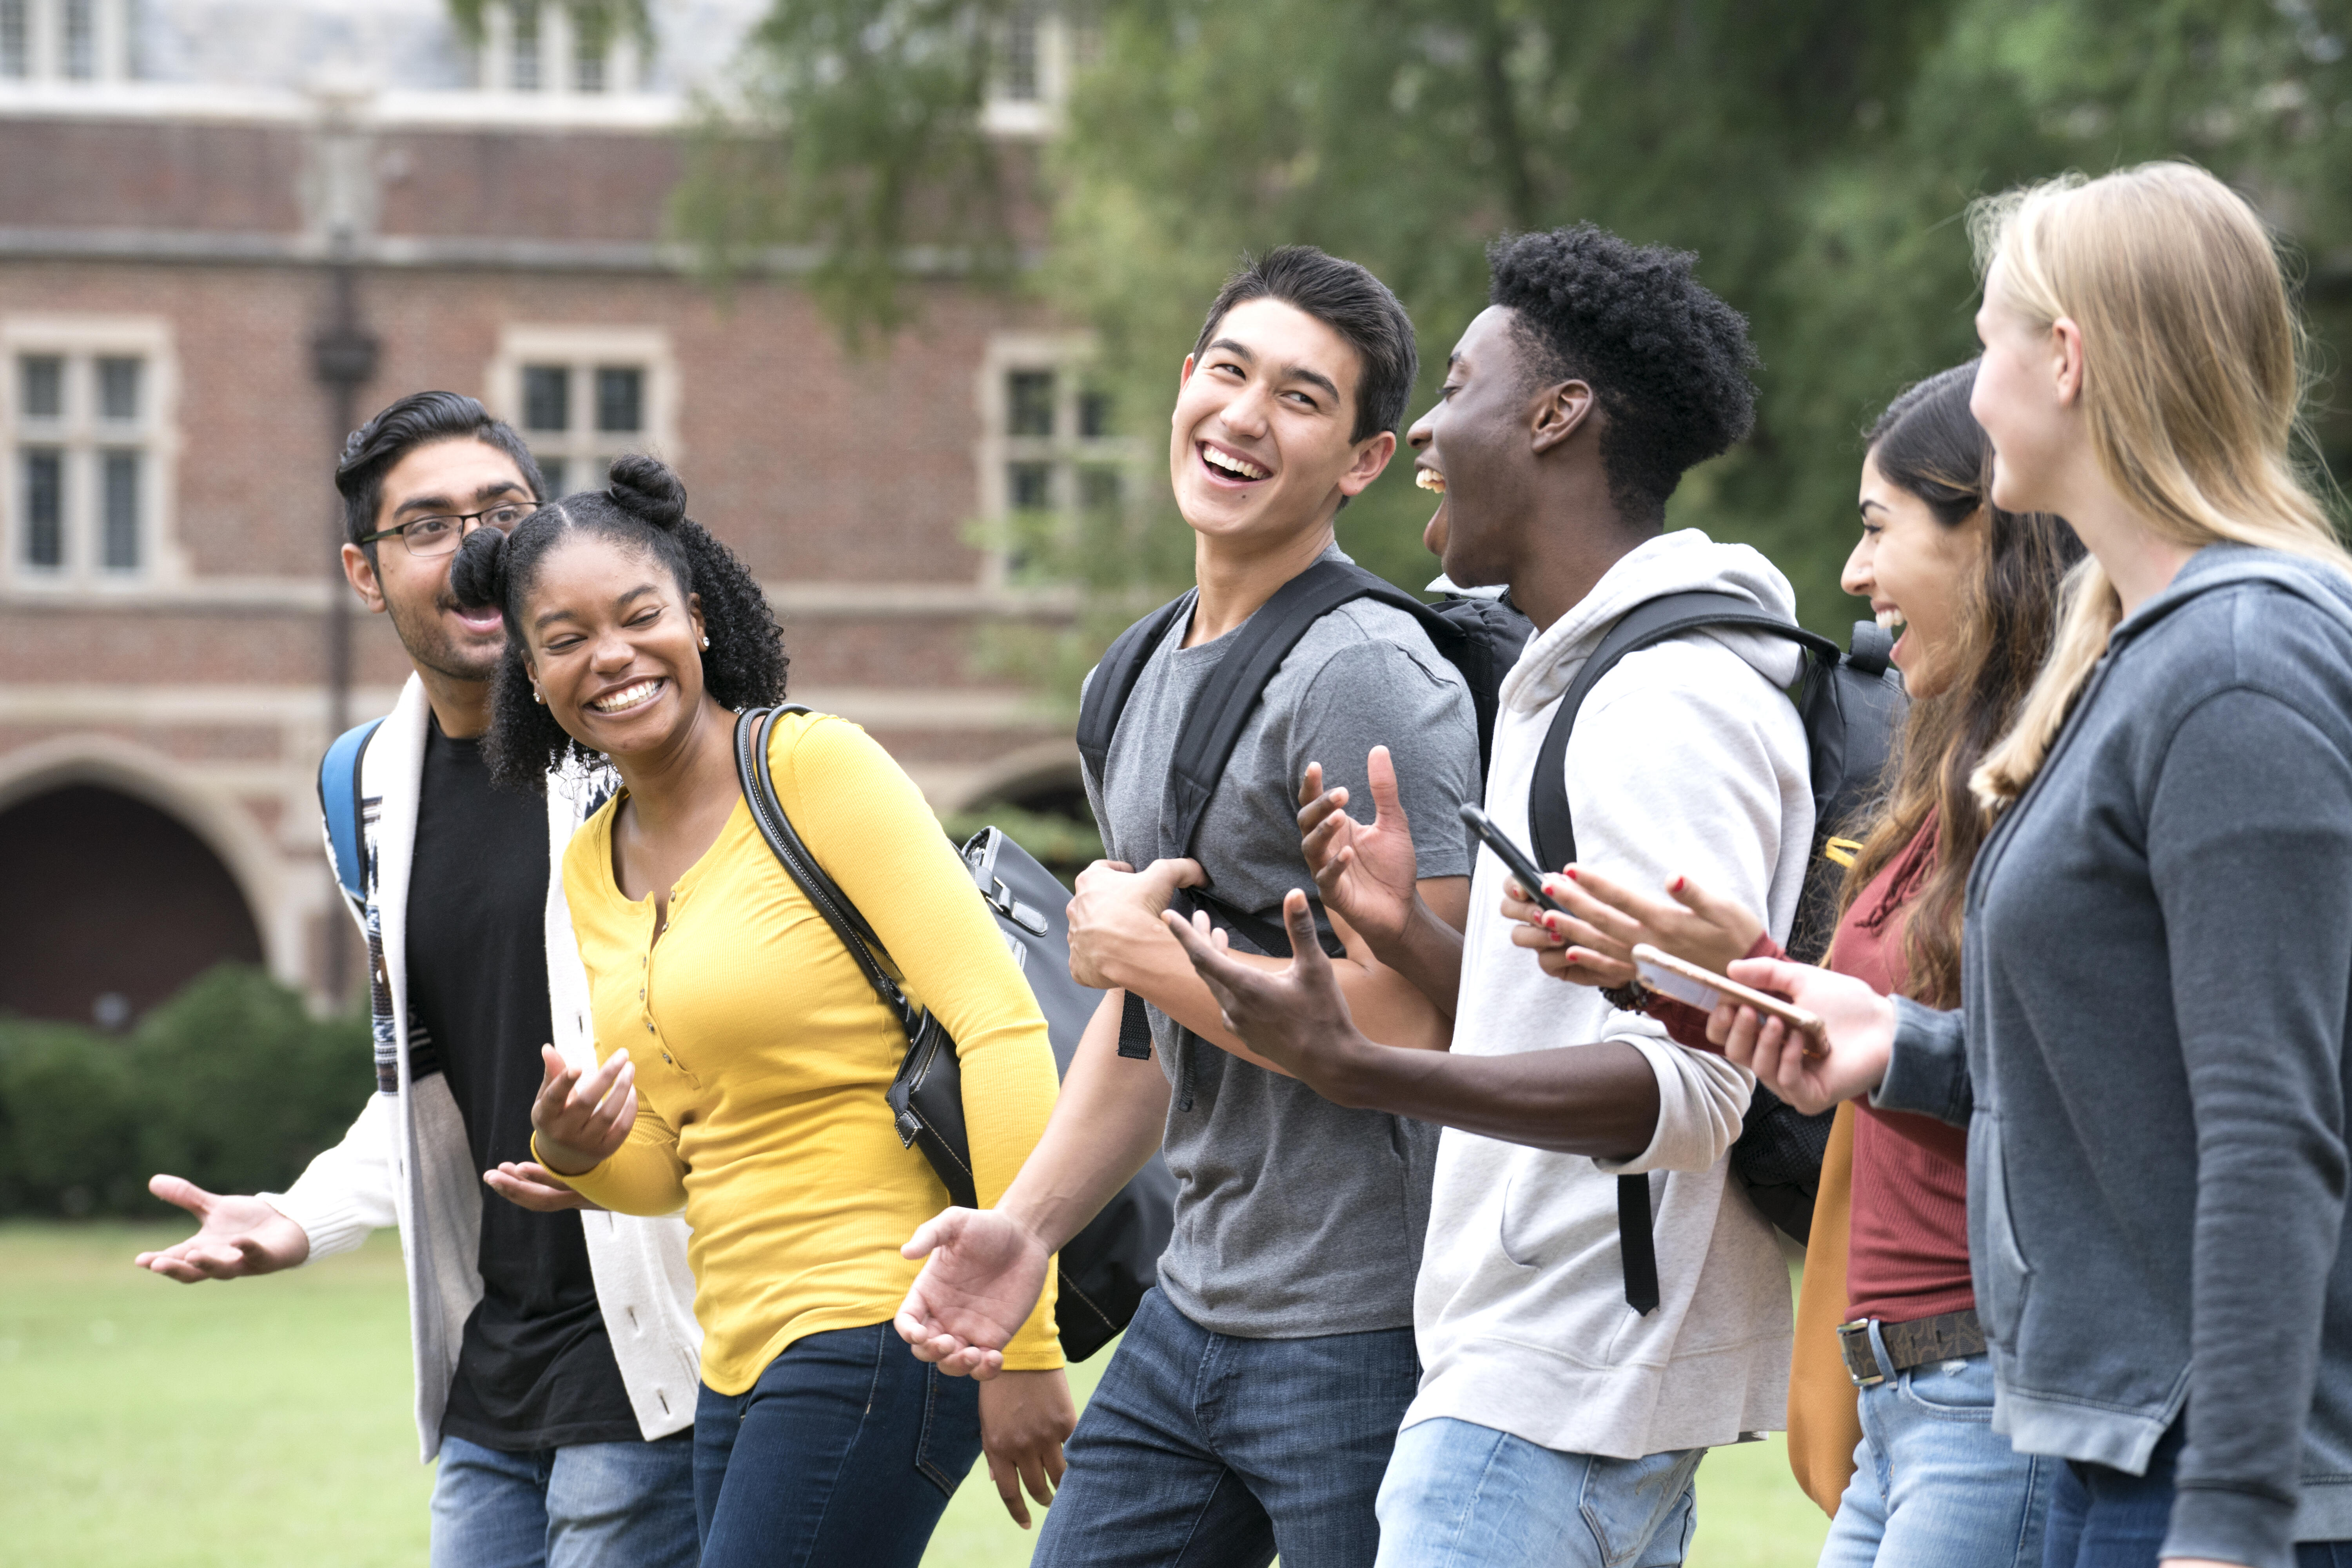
point(2192, 389)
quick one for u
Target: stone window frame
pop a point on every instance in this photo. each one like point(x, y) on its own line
point(1065, 452)
point(67, 40)
point(1038, 48)
point(82, 341)
point(582, 350)
point(558, 63)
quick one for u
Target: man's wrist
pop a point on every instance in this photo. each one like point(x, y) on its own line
point(1427, 950)
point(1348, 1071)
point(1030, 1217)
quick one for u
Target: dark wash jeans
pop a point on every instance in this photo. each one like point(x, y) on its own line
point(2102, 1518)
point(1205, 1450)
point(845, 1451)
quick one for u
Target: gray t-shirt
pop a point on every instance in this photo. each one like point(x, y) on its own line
point(1294, 1216)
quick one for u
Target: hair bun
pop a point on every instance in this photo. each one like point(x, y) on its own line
point(478, 577)
point(647, 488)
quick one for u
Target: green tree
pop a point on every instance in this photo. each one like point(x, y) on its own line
point(1819, 155)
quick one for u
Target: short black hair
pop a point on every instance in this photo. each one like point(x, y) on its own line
point(1668, 359)
point(1349, 301)
point(418, 420)
point(644, 509)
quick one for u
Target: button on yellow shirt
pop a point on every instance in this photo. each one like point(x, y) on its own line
point(762, 1054)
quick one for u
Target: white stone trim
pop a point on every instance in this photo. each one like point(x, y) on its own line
point(155, 434)
point(582, 348)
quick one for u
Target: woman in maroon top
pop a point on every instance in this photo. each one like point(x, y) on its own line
point(1976, 589)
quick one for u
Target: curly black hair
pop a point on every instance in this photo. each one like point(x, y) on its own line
point(644, 507)
point(1668, 361)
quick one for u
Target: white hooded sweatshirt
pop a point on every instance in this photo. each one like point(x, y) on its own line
point(1687, 758)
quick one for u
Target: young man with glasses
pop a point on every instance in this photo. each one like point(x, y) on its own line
point(556, 1350)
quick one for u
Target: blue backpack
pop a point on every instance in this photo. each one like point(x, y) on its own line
point(338, 803)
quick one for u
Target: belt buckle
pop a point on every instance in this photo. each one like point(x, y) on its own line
point(1848, 1335)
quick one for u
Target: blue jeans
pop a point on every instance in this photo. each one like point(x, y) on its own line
point(1205, 1450)
point(2102, 1518)
point(1934, 1486)
point(592, 1505)
point(1458, 1495)
point(845, 1451)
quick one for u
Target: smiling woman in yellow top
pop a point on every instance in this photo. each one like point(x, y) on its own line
point(745, 1055)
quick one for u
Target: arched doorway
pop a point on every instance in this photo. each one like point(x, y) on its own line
point(114, 905)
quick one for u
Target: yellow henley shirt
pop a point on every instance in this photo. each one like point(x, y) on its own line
point(762, 1054)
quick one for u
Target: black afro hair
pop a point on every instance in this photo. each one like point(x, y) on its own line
point(1668, 361)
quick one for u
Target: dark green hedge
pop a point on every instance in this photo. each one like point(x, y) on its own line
point(231, 1083)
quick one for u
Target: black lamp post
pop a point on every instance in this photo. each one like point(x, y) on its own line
point(340, 188)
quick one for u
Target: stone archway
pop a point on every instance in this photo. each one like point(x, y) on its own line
point(114, 904)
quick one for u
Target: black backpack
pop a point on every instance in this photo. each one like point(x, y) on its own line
point(1853, 704)
point(1480, 638)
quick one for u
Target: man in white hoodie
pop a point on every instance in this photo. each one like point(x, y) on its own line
point(556, 1351)
point(1556, 1422)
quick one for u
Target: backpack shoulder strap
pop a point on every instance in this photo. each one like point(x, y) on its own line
point(1114, 677)
point(1213, 726)
point(338, 803)
point(1551, 826)
point(1552, 830)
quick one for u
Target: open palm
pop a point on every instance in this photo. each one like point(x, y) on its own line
point(239, 1236)
point(981, 1275)
point(1365, 873)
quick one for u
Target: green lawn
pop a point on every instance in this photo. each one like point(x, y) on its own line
point(267, 1423)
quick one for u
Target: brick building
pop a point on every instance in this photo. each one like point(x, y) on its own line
point(185, 185)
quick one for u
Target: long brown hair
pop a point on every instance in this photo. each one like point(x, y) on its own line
point(1927, 444)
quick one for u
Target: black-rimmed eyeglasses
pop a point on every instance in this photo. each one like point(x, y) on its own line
point(438, 535)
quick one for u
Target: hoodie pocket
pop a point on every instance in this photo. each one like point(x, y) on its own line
point(2008, 1277)
point(1552, 1216)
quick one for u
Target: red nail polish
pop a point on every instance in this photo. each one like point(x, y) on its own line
point(1677, 885)
point(1570, 873)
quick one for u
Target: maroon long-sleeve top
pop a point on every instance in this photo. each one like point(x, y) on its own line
point(1908, 1256)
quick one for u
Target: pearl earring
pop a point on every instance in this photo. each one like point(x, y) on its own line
point(538, 697)
point(706, 642)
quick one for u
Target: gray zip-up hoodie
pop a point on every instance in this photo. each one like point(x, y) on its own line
point(2155, 976)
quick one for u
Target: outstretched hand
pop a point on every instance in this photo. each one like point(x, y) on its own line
point(238, 1236)
point(1365, 874)
point(983, 1273)
point(1295, 1017)
point(1593, 942)
point(581, 1122)
point(1858, 1021)
point(534, 1188)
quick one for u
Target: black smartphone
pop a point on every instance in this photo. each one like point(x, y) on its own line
point(1521, 865)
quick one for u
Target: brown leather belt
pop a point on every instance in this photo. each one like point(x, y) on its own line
point(1914, 1343)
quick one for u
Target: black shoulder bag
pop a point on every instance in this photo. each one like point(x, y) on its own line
point(1103, 1270)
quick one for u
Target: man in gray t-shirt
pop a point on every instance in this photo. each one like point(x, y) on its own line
point(1253, 1403)
point(1294, 1216)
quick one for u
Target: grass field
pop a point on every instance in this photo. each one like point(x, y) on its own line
point(266, 1423)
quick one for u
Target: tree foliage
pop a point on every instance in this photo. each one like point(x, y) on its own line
point(230, 1083)
point(1818, 154)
